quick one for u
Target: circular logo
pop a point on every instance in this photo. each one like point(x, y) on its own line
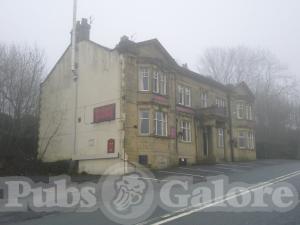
point(127, 198)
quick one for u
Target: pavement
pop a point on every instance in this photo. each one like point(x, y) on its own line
point(258, 174)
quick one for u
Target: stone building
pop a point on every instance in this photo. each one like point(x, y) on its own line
point(136, 105)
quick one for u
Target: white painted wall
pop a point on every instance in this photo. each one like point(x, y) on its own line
point(98, 85)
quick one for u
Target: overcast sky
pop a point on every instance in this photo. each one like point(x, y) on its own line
point(185, 27)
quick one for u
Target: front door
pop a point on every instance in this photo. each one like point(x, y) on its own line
point(205, 142)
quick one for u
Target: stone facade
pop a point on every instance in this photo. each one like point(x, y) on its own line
point(165, 115)
point(205, 122)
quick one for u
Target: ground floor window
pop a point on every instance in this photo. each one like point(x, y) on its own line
point(220, 137)
point(246, 139)
point(243, 139)
point(144, 122)
point(161, 124)
point(185, 128)
point(251, 141)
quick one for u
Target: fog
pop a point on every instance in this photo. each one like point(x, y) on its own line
point(185, 28)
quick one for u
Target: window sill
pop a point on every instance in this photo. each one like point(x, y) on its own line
point(158, 136)
point(185, 142)
point(162, 95)
point(153, 136)
point(185, 106)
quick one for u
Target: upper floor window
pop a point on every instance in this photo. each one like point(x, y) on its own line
point(161, 124)
point(240, 111)
point(248, 112)
point(144, 75)
point(187, 97)
point(180, 95)
point(185, 127)
point(184, 95)
point(159, 83)
point(203, 97)
point(220, 103)
point(156, 82)
point(220, 137)
point(144, 122)
point(163, 84)
point(244, 111)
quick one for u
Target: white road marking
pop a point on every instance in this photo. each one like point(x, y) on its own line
point(226, 168)
point(190, 210)
point(148, 178)
point(185, 174)
point(234, 165)
point(204, 170)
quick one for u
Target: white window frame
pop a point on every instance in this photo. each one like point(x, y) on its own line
point(164, 123)
point(245, 136)
point(144, 73)
point(220, 102)
point(184, 95)
point(141, 118)
point(204, 99)
point(185, 128)
point(251, 140)
point(240, 110)
point(250, 112)
point(180, 95)
point(163, 84)
point(187, 96)
point(221, 137)
point(156, 82)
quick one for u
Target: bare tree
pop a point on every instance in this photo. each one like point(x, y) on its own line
point(259, 68)
point(21, 70)
point(276, 90)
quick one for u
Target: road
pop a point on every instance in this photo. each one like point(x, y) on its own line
point(258, 174)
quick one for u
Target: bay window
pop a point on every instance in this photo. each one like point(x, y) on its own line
point(144, 75)
point(163, 84)
point(180, 95)
point(240, 111)
point(156, 82)
point(248, 112)
point(185, 127)
point(161, 124)
point(159, 83)
point(184, 95)
point(187, 97)
point(220, 103)
point(221, 138)
point(203, 99)
point(243, 139)
point(251, 141)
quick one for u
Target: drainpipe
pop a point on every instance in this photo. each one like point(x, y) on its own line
point(122, 111)
point(230, 127)
point(75, 75)
point(175, 86)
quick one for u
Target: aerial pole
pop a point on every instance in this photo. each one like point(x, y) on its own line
point(75, 74)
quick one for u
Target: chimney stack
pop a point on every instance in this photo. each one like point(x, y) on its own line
point(82, 30)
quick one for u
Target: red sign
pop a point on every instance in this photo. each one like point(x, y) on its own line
point(111, 146)
point(173, 132)
point(105, 113)
point(185, 110)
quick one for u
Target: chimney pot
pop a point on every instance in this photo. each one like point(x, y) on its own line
point(82, 30)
